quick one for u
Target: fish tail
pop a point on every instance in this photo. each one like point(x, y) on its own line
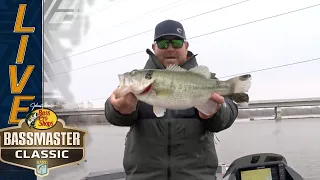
point(239, 86)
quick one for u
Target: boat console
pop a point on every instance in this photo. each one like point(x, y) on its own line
point(262, 166)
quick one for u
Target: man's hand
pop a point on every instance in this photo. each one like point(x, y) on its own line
point(217, 98)
point(126, 104)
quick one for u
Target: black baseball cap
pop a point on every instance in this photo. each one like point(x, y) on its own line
point(169, 27)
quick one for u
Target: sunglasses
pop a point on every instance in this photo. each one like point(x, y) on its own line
point(164, 44)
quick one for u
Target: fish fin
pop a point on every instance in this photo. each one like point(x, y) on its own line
point(159, 111)
point(202, 70)
point(240, 98)
point(174, 67)
point(208, 107)
point(122, 91)
point(240, 84)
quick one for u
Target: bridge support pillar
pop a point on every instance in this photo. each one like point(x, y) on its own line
point(277, 111)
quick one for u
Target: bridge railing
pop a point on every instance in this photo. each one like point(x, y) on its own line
point(79, 112)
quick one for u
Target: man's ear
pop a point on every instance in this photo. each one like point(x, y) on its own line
point(186, 44)
point(154, 47)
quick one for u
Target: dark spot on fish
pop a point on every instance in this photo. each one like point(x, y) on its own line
point(149, 74)
point(244, 77)
point(218, 83)
point(239, 97)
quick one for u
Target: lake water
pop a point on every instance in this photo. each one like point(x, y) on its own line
point(297, 139)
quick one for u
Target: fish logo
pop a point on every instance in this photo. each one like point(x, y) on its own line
point(31, 119)
point(41, 119)
point(42, 167)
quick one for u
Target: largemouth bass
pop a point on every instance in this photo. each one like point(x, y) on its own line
point(177, 88)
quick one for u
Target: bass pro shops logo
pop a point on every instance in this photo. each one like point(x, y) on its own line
point(42, 142)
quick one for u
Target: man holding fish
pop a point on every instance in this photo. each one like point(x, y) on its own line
point(173, 107)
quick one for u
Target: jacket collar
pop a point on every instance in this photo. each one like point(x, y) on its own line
point(154, 63)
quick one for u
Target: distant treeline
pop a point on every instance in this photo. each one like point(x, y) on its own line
point(243, 114)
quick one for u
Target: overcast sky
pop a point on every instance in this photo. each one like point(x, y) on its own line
point(281, 40)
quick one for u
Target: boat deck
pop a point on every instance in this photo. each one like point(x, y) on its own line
point(119, 174)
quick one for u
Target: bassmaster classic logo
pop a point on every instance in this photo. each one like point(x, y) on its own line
point(42, 142)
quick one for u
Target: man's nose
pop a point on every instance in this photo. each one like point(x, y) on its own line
point(170, 48)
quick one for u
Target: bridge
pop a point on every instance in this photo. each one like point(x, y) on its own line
point(276, 104)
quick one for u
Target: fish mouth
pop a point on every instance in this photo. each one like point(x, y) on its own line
point(121, 79)
point(122, 89)
point(124, 81)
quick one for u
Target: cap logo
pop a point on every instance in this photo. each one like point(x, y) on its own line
point(179, 30)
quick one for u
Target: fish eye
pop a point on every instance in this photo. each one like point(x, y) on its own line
point(133, 72)
point(148, 75)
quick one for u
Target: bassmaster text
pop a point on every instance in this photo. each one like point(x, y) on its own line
point(41, 138)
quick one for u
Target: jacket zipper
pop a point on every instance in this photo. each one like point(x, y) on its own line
point(169, 145)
